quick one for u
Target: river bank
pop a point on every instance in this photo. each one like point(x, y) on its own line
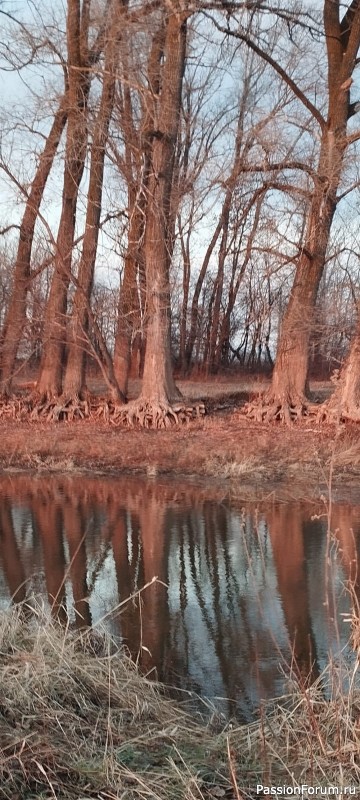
point(224, 447)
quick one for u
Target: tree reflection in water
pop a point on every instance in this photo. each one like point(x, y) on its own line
point(240, 597)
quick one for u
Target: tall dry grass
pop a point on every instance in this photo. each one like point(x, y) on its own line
point(78, 721)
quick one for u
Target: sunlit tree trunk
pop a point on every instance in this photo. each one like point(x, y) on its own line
point(158, 384)
point(137, 164)
point(16, 313)
point(74, 379)
point(344, 403)
point(129, 313)
point(287, 398)
point(159, 390)
point(79, 76)
point(291, 367)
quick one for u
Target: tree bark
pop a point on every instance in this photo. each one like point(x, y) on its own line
point(79, 76)
point(74, 379)
point(344, 404)
point(287, 398)
point(153, 407)
point(158, 384)
point(291, 368)
point(16, 313)
point(137, 162)
point(129, 313)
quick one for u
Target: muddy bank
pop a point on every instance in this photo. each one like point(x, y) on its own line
point(224, 449)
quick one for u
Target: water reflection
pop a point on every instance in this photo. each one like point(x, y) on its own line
point(239, 595)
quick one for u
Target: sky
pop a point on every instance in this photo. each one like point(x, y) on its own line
point(21, 91)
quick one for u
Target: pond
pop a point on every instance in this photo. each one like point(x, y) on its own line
point(234, 597)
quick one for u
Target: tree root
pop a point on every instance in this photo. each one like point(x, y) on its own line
point(14, 408)
point(155, 414)
point(61, 408)
point(272, 408)
point(332, 413)
point(68, 409)
point(142, 413)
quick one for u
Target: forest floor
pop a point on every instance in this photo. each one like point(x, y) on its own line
point(224, 446)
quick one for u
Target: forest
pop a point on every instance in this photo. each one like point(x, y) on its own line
point(180, 193)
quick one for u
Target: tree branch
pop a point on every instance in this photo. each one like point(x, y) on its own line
point(8, 228)
point(244, 37)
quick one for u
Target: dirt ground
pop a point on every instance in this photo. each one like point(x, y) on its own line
point(223, 447)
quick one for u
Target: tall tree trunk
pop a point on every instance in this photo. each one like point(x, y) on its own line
point(79, 75)
point(158, 389)
point(289, 381)
point(344, 404)
point(16, 312)
point(129, 313)
point(158, 383)
point(194, 313)
point(287, 397)
point(74, 379)
point(137, 161)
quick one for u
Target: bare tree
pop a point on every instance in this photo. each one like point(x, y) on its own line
point(80, 60)
point(135, 166)
point(74, 379)
point(287, 397)
point(158, 389)
point(246, 176)
point(16, 313)
point(344, 404)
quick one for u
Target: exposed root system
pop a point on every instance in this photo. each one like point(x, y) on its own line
point(56, 409)
point(61, 408)
point(14, 408)
point(272, 408)
point(150, 414)
point(332, 413)
point(142, 413)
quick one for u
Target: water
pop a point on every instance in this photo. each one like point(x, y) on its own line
point(240, 595)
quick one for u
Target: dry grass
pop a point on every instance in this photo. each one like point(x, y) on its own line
point(78, 721)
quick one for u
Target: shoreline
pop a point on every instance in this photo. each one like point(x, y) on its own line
point(238, 456)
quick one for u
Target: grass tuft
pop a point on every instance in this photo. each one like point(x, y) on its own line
point(78, 721)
